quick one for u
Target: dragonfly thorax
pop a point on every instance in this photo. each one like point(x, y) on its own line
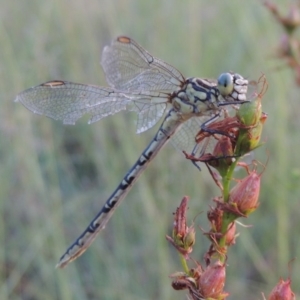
point(196, 97)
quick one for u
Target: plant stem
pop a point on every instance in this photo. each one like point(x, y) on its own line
point(227, 217)
point(184, 264)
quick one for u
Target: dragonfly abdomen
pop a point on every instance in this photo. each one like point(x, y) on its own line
point(167, 129)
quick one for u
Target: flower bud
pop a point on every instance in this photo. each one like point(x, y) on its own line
point(212, 281)
point(222, 156)
point(282, 291)
point(189, 238)
point(244, 196)
point(183, 283)
point(249, 139)
point(284, 49)
point(183, 237)
point(230, 234)
point(252, 120)
point(290, 22)
point(215, 217)
point(250, 112)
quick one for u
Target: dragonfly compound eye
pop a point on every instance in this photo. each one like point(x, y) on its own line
point(225, 84)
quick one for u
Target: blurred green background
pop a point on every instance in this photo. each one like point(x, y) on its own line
point(55, 178)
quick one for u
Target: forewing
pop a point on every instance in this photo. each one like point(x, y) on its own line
point(68, 101)
point(129, 67)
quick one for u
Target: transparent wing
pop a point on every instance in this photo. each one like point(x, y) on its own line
point(184, 138)
point(129, 67)
point(67, 101)
point(148, 113)
point(144, 84)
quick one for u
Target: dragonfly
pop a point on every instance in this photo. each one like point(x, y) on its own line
point(154, 90)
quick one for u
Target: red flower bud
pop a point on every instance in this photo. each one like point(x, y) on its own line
point(183, 237)
point(282, 291)
point(230, 234)
point(212, 281)
point(222, 156)
point(244, 196)
point(291, 21)
point(215, 216)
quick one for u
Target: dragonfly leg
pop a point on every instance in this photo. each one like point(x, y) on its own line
point(196, 165)
point(204, 127)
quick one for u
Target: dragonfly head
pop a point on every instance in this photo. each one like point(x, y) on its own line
point(233, 88)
